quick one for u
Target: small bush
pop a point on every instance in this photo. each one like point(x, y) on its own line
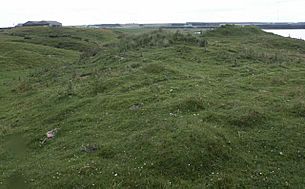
point(299, 109)
point(27, 38)
point(75, 37)
point(106, 152)
point(135, 65)
point(69, 89)
point(154, 68)
point(266, 57)
point(90, 52)
point(98, 86)
point(222, 181)
point(192, 104)
point(183, 50)
point(54, 36)
point(23, 86)
point(202, 43)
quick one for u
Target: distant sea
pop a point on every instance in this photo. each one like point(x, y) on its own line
point(293, 33)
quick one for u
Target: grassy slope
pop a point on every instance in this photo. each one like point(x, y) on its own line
point(170, 114)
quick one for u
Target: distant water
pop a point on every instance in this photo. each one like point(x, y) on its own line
point(298, 34)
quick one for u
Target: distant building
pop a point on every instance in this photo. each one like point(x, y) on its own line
point(41, 23)
point(19, 25)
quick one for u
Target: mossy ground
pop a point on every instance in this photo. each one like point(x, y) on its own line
point(151, 109)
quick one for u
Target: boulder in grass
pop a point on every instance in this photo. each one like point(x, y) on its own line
point(89, 148)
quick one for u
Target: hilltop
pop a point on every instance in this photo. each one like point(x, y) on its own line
point(151, 108)
point(204, 25)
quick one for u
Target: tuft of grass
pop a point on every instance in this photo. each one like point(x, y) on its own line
point(298, 109)
point(154, 68)
point(23, 86)
point(192, 104)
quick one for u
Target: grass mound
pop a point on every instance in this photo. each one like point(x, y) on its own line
point(233, 30)
point(192, 104)
point(178, 159)
point(245, 117)
point(159, 38)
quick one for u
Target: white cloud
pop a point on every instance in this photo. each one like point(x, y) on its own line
point(131, 11)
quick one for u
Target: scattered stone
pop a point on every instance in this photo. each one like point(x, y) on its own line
point(50, 135)
point(136, 107)
point(173, 114)
point(85, 74)
point(89, 148)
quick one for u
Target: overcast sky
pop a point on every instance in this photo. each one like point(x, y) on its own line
point(79, 12)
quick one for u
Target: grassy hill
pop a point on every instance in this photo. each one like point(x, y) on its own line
point(151, 109)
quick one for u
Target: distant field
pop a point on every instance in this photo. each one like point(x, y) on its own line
point(151, 108)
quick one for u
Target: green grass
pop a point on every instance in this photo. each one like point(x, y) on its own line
point(151, 109)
